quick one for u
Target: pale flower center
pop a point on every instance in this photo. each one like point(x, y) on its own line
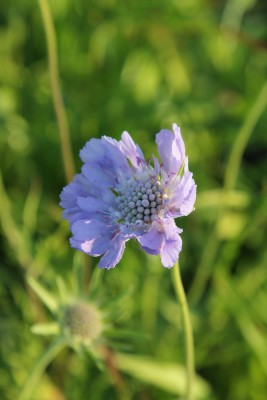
point(140, 202)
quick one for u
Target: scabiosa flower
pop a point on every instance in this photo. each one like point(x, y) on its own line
point(119, 195)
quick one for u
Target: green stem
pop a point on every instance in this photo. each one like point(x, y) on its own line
point(56, 91)
point(206, 266)
point(189, 342)
point(242, 139)
point(40, 367)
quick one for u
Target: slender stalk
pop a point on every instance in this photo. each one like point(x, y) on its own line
point(206, 266)
point(56, 91)
point(39, 368)
point(115, 375)
point(188, 333)
point(242, 139)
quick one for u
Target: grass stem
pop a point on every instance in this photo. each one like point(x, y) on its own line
point(60, 112)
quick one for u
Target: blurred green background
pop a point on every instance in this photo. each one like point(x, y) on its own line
point(139, 66)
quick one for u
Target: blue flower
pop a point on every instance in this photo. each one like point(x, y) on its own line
point(119, 195)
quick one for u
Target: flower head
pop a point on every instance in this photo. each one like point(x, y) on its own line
point(119, 195)
point(82, 322)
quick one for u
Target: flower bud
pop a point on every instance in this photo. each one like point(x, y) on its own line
point(82, 322)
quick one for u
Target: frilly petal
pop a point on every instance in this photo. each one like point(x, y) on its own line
point(82, 197)
point(96, 238)
point(78, 187)
point(171, 149)
point(104, 156)
point(93, 247)
point(68, 197)
point(88, 229)
point(113, 254)
point(93, 150)
point(131, 150)
point(183, 199)
point(188, 204)
point(151, 241)
point(172, 245)
point(100, 175)
point(163, 238)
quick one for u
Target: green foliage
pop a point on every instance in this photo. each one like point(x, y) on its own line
point(136, 66)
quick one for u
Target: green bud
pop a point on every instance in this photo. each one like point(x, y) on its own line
point(82, 322)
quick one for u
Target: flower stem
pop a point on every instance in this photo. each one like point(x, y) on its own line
point(39, 368)
point(188, 334)
point(56, 91)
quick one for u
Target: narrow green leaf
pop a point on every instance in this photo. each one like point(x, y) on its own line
point(96, 280)
point(31, 205)
point(124, 334)
point(62, 289)
point(50, 328)
point(39, 368)
point(43, 294)
point(78, 274)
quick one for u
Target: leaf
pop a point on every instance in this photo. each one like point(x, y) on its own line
point(125, 334)
point(50, 328)
point(31, 205)
point(62, 289)
point(43, 294)
point(167, 376)
point(78, 273)
point(38, 369)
